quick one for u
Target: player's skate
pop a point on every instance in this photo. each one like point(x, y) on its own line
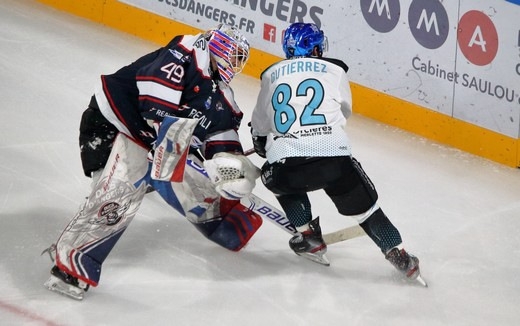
point(66, 284)
point(406, 263)
point(310, 244)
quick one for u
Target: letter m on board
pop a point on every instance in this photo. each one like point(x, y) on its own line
point(428, 22)
point(380, 5)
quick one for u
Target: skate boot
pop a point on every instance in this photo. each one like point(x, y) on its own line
point(66, 284)
point(310, 244)
point(406, 264)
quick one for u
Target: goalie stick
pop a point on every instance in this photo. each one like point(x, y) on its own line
point(169, 160)
point(249, 151)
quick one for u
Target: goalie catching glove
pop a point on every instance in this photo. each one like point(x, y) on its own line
point(234, 176)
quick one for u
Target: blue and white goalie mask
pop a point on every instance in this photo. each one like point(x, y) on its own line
point(230, 50)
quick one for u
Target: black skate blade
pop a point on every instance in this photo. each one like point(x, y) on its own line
point(315, 257)
point(55, 284)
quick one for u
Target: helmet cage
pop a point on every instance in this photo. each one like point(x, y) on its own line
point(230, 50)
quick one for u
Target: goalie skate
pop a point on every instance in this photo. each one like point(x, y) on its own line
point(65, 284)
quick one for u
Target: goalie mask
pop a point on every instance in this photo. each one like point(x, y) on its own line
point(230, 50)
point(302, 39)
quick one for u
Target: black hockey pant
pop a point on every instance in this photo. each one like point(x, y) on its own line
point(96, 136)
point(343, 180)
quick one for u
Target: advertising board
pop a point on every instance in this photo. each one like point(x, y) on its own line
point(459, 58)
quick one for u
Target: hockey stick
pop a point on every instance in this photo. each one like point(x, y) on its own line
point(277, 217)
point(347, 233)
point(249, 151)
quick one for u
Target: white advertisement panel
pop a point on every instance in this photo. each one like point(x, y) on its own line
point(403, 47)
point(460, 58)
point(487, 92)
point(261, 21)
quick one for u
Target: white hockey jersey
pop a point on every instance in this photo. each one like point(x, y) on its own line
point(302, 107)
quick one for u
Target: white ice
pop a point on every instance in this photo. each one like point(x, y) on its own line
point(460, 214)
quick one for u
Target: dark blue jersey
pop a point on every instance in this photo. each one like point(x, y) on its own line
point(176, 80)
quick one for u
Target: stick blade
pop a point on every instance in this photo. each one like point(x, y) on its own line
point(350, 232)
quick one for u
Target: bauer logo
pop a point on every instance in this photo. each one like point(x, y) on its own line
point(276, 217)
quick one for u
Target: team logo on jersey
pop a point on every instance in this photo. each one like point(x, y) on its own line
point(196, 89)
point(111, 213)
point(207, 104)
point(219, 106)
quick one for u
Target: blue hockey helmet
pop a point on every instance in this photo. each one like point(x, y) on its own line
point(230, 50)
point(301, 39)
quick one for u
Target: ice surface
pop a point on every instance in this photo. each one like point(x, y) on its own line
point(458, 213)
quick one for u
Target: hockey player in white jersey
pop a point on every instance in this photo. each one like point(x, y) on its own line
point(299, 125)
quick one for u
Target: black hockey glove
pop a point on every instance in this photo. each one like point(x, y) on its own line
point(258, 142)
point(259, 145)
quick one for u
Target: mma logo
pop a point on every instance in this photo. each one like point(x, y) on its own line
point(429, 25)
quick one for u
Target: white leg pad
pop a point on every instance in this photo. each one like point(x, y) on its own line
point(109, 209)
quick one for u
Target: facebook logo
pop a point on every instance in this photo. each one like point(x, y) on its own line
point(269, 33)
